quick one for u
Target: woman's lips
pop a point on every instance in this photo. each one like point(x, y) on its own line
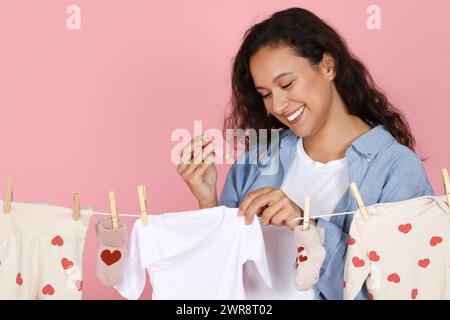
point(296, 116)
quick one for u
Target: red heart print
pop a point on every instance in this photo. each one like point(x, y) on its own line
point(109, 257)
point(434, 241)
point(414, 293)
point(373, 256)
point(57, 241)
point(393, 277)
point(19, 279)
point(370, 296)
point(424, 263)
point(66, 263)
point(344, 285)
point(79, 285)
point(351, 241)
point(357, 262)
point(302, 258)
point(300, 249)
point(48, 290)
point(405, 228)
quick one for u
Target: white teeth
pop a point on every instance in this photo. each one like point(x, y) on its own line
point(296, 114)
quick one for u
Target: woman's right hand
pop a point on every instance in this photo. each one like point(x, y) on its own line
point(196, 167)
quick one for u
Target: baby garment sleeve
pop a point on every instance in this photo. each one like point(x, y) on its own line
point(133, 280)
point(357, 264)
point(255, 250)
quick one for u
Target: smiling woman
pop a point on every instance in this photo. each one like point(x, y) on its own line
point(294, 73)
point(296, 56)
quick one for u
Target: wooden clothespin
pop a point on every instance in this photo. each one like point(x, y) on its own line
point(446, 185)
point(306, 209)
point(76, 206)
point(112, 204)
point(359, 201)
point(9, 196)
point(142, 192)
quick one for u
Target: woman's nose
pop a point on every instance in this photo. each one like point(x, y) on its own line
point(280, 103)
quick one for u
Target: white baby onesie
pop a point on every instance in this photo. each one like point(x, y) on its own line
point(402, 251)
point(194, 255)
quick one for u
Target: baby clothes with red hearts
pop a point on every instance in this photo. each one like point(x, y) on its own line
point(112, 247)
point(402, 251)
point(311, 255)
point(195, 254)
point(41, 252)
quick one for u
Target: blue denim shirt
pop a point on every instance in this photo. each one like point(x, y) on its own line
point(383, 169)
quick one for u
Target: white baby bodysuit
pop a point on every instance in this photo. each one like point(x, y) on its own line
point(194, 255)
point(402, 251)
point(325, 184)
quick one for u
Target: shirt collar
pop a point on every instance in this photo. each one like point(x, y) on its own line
point(371, 142)
point(368, 144)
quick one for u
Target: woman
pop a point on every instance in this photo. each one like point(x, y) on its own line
point(295, 73)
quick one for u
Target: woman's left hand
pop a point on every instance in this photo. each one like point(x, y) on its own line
point(273, 206)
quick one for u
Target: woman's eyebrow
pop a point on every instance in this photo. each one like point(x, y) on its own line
point(276, 78)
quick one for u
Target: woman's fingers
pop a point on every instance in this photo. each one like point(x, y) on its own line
point(191, 155)
point(202, 168)
point(273, 212)
point(203, 152)
point(259, 204)
point(291, 223)
point(199, 157)
point(281, 211)
point(249, 198)
point(258, 201)
point(186, 153)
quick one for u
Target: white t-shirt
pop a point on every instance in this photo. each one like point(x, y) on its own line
point(196, 254)
point(325, 184)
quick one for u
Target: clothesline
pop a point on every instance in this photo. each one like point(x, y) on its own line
point(121, 215)
point(325, 215)
point(293, 219)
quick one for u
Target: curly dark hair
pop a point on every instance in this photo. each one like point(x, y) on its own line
point(310, 37)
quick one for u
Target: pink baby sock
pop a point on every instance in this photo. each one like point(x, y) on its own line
point(310, 257)
point(112, 248)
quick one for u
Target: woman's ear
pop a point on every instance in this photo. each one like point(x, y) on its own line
point(327, 66)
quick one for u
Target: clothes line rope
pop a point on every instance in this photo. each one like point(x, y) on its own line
point(293, 219)
point(325, 215)
point(121, 215)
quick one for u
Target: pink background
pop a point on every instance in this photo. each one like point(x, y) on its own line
point(92, 110)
